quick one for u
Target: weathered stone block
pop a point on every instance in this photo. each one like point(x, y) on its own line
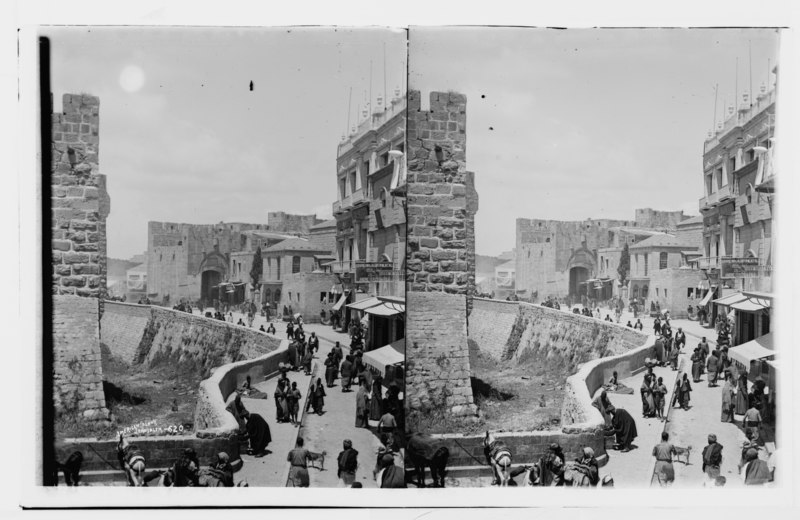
point(62, 245)
point(73, 281)
point(75, 258)
point(438, 255)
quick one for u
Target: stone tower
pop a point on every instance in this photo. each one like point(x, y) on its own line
point(440, 276)
point(80, 206)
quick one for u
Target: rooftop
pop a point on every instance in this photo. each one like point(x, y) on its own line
point(295, 244)
point(268, 235)
point(698, 219)
point(664, 240)
point(325, 224)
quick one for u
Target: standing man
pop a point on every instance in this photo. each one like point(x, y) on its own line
point(663, 453)
point(704, 351)
point(298, 459)
point(348, 463)
point(680, 339)
point(712, 458)
point(313, 343)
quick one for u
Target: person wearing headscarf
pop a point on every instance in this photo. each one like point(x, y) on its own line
point(587, 464)
point(704, 351)
point(290, 331)
point(602, 403)
point(742, 403)
point(680, 339)
point(222, 470)
point(362, 406)
point(330, 369)
point(258, 434)
point(313, 343)
point(307, 359)
point(658, 350)
point(239, 412)
point(755, 471)
point(552, 466)
point(712, 457)
point(390, 476)
point(673, 358)
point(663, 453)
point(624, 427)
point(728, 404)
point(186, 469)
point(281, 409)
point(348, 463)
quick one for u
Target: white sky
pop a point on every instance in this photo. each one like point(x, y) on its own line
point(587, 123)
point(193, 144)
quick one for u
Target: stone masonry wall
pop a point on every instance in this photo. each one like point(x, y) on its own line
point(191, 342)
point(122, 327)
point(80, 206)
point(439, 263)
point(80, 203)
point(77, 368)
point(490, 325)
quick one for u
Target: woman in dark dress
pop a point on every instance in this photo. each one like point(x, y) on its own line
point(330, 369)
point(376, 401)
point(258, 433)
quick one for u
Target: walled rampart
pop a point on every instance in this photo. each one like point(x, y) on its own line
point(154, 335)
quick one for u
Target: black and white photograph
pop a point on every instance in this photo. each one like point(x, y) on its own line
point(310, 253)
point(227, 291)
point(591, 233)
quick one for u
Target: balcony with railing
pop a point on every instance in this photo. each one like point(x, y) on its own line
point(714, 198)
point(354, 199)
point(740, 118)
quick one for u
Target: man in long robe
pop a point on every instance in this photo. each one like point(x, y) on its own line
point(728, 405)
point(362, 406)
point(624, 428)
point(390, 476)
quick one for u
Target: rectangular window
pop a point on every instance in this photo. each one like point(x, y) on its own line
point(295, 264)
point(690, 292)
point(662, 260)
point(645, 266)
point(656, 292)
point(665, 293)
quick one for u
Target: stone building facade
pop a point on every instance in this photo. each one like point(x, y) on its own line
point(369, 210)
point(737, 209)
point(558, 258)
point(80, 206)
point(189, 260)
point(440, 257)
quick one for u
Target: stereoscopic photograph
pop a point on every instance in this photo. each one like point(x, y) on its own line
point(590, 257)
point(228, 296)
point(425, 257)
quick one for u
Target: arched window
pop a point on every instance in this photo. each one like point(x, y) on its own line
point(295, 264)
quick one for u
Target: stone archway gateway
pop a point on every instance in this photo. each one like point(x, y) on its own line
point(577, 278)
point(209, 280)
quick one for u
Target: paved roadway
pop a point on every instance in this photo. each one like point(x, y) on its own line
point(320, 433)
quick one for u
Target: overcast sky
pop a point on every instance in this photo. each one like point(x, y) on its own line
point(182, 137)
point(588, 123)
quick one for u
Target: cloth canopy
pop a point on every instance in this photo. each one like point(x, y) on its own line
point(340, 302)
point(758, 348)
point(707, 297)
point(730, 299)
point(386, 309)
point(751, 305)
point(388, 355)
point(364, 304)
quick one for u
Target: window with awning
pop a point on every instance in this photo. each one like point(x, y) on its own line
point(759, 348)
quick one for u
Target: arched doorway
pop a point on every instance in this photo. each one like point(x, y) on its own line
point(209, 280)
point(578, 275)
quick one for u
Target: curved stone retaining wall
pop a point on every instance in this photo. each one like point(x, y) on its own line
point(211, 419)
point(491, 323)
point(122, 327)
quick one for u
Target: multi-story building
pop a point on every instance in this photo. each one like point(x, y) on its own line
point(737, 211)
point(370, 207)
